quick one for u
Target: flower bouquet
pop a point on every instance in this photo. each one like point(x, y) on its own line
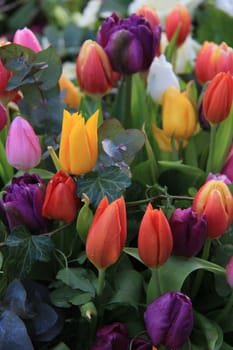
point(116, 203)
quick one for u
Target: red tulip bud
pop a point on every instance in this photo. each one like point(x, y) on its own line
point(178, 19)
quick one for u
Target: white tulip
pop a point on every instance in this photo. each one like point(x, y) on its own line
point(160, 77)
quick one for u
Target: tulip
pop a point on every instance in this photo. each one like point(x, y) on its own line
point(23, 149)
point(154, 238)
point(160, 77)
point(218, 96)
point(221, 177)
point(165, 142)
point(229, 272)
point(169, 320)
point(72, 95)
point(178, 115)
point(107, 234)
point(215, 201)
point(3, 116)
point(228, 165)
point(212, 59)
point(21, 204)
point(178, 19)
point(61, 201)
point(79, 145)
point(93, 69)
point(189, 232)
point(129, 42)
point(112, 337)
point(149, 14)
point(25, 37)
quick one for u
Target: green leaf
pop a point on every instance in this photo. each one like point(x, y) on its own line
point(81, 298)
point(61, 346)
point(26, 249)
point(119, 6)
point(61, 296)
point(78, 278)
point(110, 182)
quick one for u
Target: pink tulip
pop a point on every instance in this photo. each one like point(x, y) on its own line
point(228, 165)
point(27, 38)
point(3, 116)
point(23, 149)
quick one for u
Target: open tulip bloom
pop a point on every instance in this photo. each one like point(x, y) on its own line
point(116, 176)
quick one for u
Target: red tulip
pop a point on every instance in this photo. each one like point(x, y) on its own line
point(155, 238)
point(93, 69)
point(149, 14)
point(107, 234)
point(212, 59)
point(215, 200)
point(218, 98)
point(61, 201)
point(179, 17)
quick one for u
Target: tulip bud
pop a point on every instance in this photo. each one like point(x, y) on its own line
point(107, 234)
point(3, 116)
point(88, 311)
point(229, 272)
point(79, 145)
point(129, 42)
point(149, 14)
point(72, 96)
point(228, 165)
point(160, 77)
point(61, 201)
point(93, 69)
point(169, 320)
point(215, 201)
point(178, 19)
point(22, 202)
point(85, 217)
point(154, 238)
point(25, 37)
point(189, 232)
point(23, 149)
point(212, 59)
point(218, 98)
point(112, 336)
point(178, 115)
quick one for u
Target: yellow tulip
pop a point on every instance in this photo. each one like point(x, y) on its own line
point(79, 144)
point(72, 93)
point(164, 142)
point(178, 114)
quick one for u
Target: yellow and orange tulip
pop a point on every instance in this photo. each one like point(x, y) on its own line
point(79, 143)
point(72, 95)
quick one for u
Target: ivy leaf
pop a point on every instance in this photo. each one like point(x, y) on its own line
point(26, 249)
point(110, 182)
point(78, 278)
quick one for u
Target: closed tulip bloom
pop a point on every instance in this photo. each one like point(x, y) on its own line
point(218, 97)
point(160, 77)
point(93, 69)
point(178, 19)
point(25, 37)
point(3, 116)
point(165, 142)
point(228, 165)
point(178, 114)
point(72, 95)
point(107, 234)
point(61, 201)
point(149, 14)
point(215, 201)
point(23, 150)
point(189, 232)
point(229, 272)
point(112, 337)
point(129, 42)
point(169, 320)
point(21, 204)
point(154, 238)
point(79, 145)
point(212, 59)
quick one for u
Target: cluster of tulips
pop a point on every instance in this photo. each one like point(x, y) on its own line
point(123, 47)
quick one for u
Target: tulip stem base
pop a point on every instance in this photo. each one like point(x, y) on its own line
point(153, 289)
point(213, 131)
point(101, 277)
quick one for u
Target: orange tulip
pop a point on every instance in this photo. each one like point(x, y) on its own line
point(215, 201)
point(149, 14)
point(93, 69)
point(107, 234)
point(218, 98)
point(212, 59)
point(155, 238)
point(179, 17)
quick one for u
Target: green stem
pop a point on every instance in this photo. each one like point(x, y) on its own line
point(200, 273)
point(154, 288)
point(227, 308)
point(101, 278)
point(213, 130)
point(127, 122)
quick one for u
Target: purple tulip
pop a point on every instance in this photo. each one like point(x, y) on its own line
point(27, 38)
point(218, 176)
point(169, 320)
point(23, 149)
point(129, 42)
point(112, 337)
point(3, 116)
point(140, 344)
point(228, 165)
point(22, 202)
point(189, 232)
